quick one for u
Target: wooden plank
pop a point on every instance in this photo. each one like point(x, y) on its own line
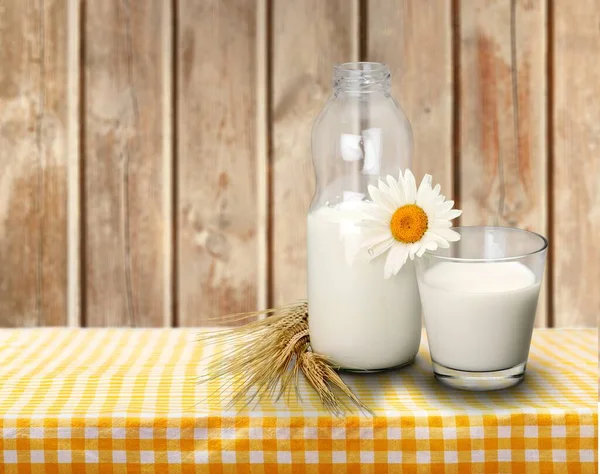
point(415, 40)
point(503, 116)
point(217, 215)
point(309, 37)
point(33, 130)
point(168, 148)
point(125, 217)
point(576, 166)
point(74, 165)
point(262, 153)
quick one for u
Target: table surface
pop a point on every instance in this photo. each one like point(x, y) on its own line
point(126, 397)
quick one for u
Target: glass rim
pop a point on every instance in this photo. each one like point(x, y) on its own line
point(544, 245)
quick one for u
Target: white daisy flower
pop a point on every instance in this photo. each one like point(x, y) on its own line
point(406, 221)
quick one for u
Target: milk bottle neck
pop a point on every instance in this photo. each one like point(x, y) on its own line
point(355, 79)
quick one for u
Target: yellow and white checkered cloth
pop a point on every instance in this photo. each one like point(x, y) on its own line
point(126, 400)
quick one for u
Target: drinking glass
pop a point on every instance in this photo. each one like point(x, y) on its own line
point(479, 300)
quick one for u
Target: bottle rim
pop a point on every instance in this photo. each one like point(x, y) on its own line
point(361, 76)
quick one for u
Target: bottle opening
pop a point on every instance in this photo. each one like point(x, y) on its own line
point(361, 77)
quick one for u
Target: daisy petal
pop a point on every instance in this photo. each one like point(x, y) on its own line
point(384, 188)
point(388, 268)
point(373, 224)
point(445, 206)
point(452, 214)
point(396, 191)
point(374, 237)
point(401, 256)
point(441, 224)
point(433, 237)
point(395, 260)
point(377, 213)
point(432, 245)
point(410, 187)
point(443, 244)
point(389, 192)
point(383, 215)
point(381, 199)
point(424, 190)
point(376, 250)
point(413, 249)
point(421, 251)
point(389, 201)
point(429, 207)
point(401, 182)
point(447, 234)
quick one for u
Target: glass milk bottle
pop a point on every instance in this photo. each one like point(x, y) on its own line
point(357, 318)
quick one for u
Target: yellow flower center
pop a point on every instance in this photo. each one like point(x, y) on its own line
point(409, 224)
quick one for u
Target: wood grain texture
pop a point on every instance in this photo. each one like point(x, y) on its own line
point(503, 152)
point(415, 40)
point(576, 164)
point(33, 193)
point(236, 195)
point(73, 152)
point(217, 197)
point(262, 152)
point(125, 220)
point(309, 37)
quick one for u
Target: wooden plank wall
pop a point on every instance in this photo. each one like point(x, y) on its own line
point(156, 155)
point(126, 206)
point(34, 126)
point(301, 84)
point(216, 178)
point(575, 170)
point(502, 116)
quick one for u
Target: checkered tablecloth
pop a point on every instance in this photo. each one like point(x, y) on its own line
point(126, 400)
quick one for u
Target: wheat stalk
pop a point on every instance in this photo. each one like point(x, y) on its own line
point(264, 358)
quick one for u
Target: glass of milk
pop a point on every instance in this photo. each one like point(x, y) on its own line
point(479, 301)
